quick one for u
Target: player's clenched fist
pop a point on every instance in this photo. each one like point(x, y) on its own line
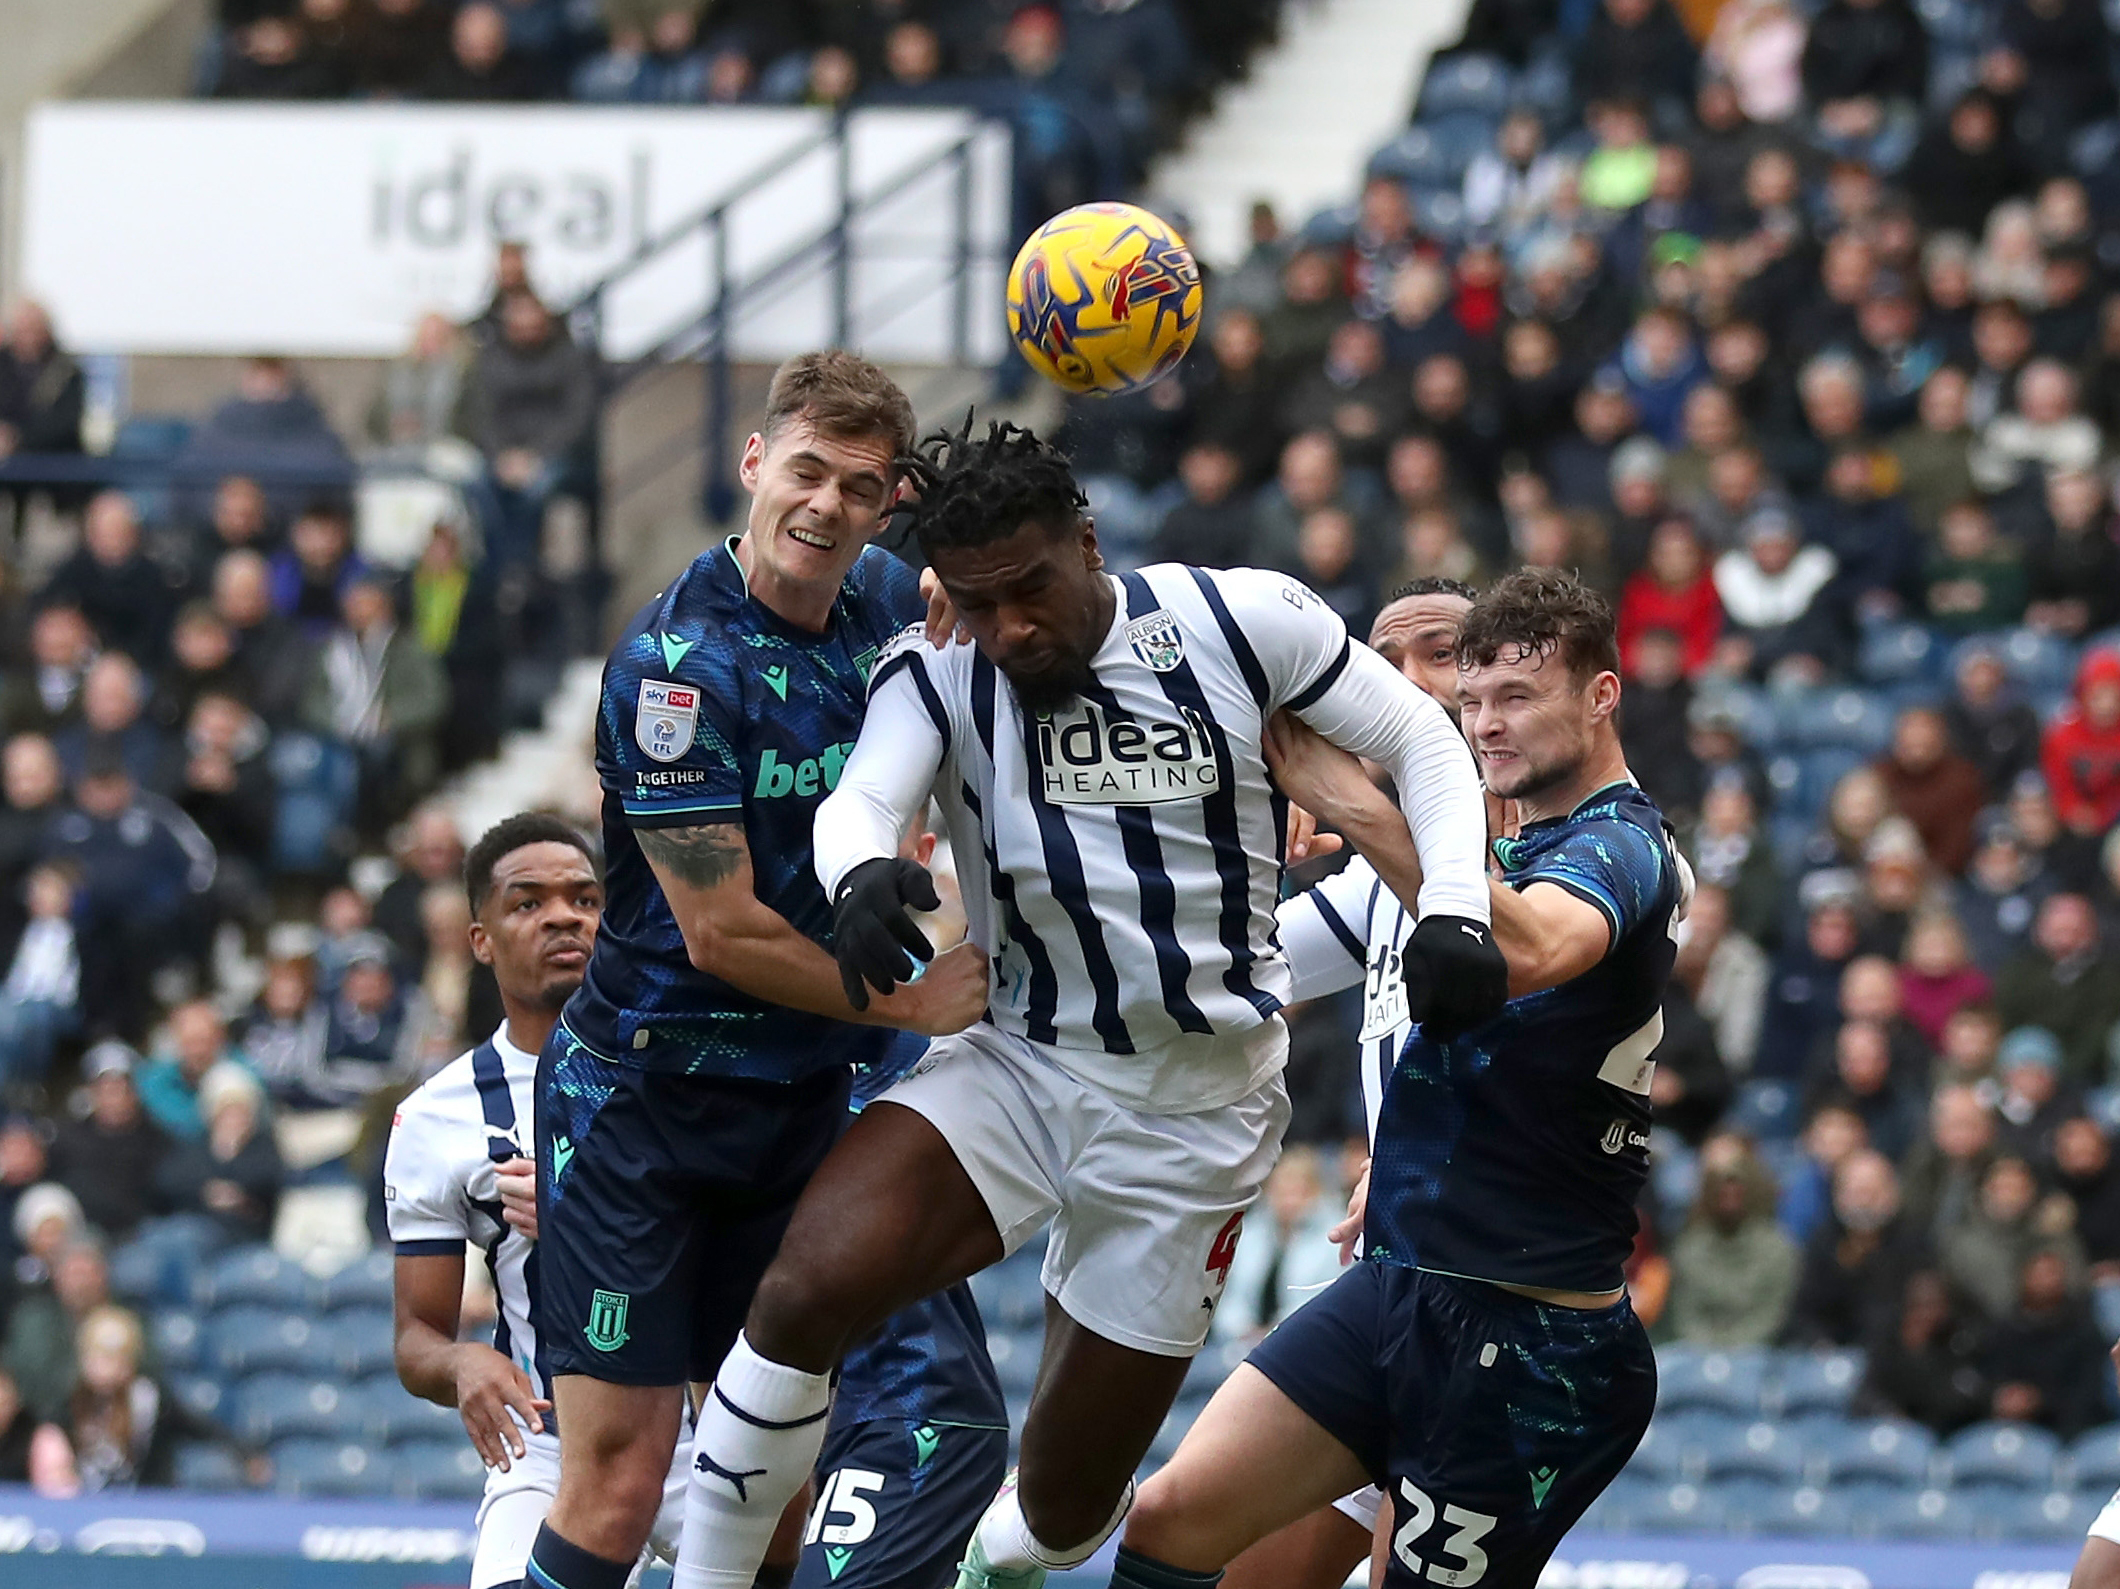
point(874, 937)
point(950, 997)
point(1455, 975)
point(487, 1386)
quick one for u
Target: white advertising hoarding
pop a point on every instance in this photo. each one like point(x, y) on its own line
point(327, 229)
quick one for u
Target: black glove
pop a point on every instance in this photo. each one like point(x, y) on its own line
point(875, 941)
point(1455, 976)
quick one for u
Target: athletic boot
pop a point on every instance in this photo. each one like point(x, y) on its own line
point(974, 1573)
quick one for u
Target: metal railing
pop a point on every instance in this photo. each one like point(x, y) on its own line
point(709, 335)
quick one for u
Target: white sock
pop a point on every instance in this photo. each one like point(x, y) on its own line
point(1007, 1543)
point(759, 1434)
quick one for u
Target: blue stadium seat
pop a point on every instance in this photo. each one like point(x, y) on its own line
point(1768, 1451)
point(1849, 719)
point(332, 1467)
point(358, 1341)
point(1727, 1382)
point(1330, 227)
point(1955, 22)
point(1899, 653)
point(2005, 1455)
point(2040, 662)
point(155, 436)
point(436, 1469)
point(386, 1411)
point(201, 1465)
point(2094, 1459)
point(1679, 1509)
point(1546, 86)
point(1765, 1110)
point(200, 1394)
point(1614, 1511)
point(255, 1277)
point(1440, 212)
point(1482, 84)
point(176, 1337)
point(1669, 1450)
point(1010, 1296)
point(1817, 1382)
point(1866, 1502)
point(1923, 1514)
point(1425, 157)
point(1015, 1355)
point(1801, 1512)
point(1888, 1450)
point(2057, 1515)
point(247, 1340)
point(364, 1283)
point(269, 1407)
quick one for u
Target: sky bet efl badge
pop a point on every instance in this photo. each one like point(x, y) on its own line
point(1155, 641)
point(666, 719)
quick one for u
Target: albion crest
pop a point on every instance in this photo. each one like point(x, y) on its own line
point(1156, 641)
point(666, 719)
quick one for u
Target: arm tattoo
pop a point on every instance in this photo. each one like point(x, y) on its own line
point(703, 857)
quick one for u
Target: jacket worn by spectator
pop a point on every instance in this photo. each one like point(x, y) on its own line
point(1733, 1270)
point(1866, 49)
point(41, 398)
point(540, 400)
point(2081, 756)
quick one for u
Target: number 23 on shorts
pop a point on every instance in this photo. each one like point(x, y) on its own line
point(1456, 1560)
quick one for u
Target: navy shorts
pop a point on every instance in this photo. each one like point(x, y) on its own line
point(660, 1201)
point(1492, 1421)
point(896, 1503)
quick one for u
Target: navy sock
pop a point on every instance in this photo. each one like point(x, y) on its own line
point(1136, 1571)
point(557, 1564)
point(774, 1575)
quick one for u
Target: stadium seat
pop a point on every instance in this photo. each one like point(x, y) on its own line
point(1765, 1110)
point(1426, 157)
point(1546, 86)
point(2056, 1515)
point(357, 1341)
point(248, 1340)
point(1817, 1382)
point(1679, 1509)
point(1762, 1450)
point(269, 1407)
point(200, 1394)
point(2094, 1459)
point(1847, 719)
point(1615, 1510)
point(1922, 1514)
point(1899, 653)
point(1010, 1296)
point(386, 1411)
point(1726, 1382)
point(333, 1467)
point(1330, 227)
point(1955, 23)
point(1481, 84)
point(1888, 1450)
point(201, 1465)
point(1672, 1447)
point(1440, 212)
point(436, 1469)
point(1800, 1512)
point(1015, 1356)
point(255, 1277)
point(2040, 662)
point(2004, 1455)
point(151, 436)
point(176, 1338)
point(364, 1283)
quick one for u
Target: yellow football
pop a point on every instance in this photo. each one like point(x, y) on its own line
point(1104, 298)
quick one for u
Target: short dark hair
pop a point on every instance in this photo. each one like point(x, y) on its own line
point(507, 836)
point(1432, 585)
point(972, 493)
point(843, 395)
point(1542, 612)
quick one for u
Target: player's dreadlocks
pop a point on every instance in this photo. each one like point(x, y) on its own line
point(974, 492)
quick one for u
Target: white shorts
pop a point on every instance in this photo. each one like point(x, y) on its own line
point(1362, 1506)
point(1145, 1208)
point(515, 1503)
point(2106, 1525)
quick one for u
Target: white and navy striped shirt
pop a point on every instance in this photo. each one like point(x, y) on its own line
point(1350, 929)
point(441, 1192)
point(1121, 860)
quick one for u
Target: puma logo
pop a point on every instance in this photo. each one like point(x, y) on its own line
point(1473, 933)
point(706, 1464)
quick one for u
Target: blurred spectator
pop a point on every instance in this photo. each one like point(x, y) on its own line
point(1674, 591)
point(1964, 167)
point(1653, 726)
point(1772, 590)
point(1351, 397)
point(2047, 1359)
point(1327, 550)
point(371, 1035)
point(532, 404)
point(1934, 453)
point(1511, 184)
point(432, 855)
point(1733, 1271)
point(456, 619)
point(32, 790)
point(40, 998)
point(124, 1428)
point(1932, 786)
point(275, 57)
point(229, 1171)
point(1862, 1083)
point(283, 1035)
point(1856, 1262)
point(18, 1428)
point(1298, 327)
point(108, 1158)
point(1938, 977)
point(1801, 994)
point(2033, 1100)
point(1234, 401)
point(46, 694)
point(202, 658)
point(1658, 365)
point(2081, 753)
point(2048, 61)
point(1290, 1258)
point(112, 726)
point(2084, 1169)
point(1211, 527)
point(2074, 573)
point(170, 1085)
point(310, 578)
point(375, 688)
point(1381, 245)
point(394, 52)
point(422, 397)
point(1984, 1255)
point(228, 791)
point(2000, 893)
point(1634, 49)
point(1729, 852)
point(1946, 1167)
point(1926, 1366)
point(1989, 721)
point(1868, 534)
point(272, 428)
point(2044, 431)
point(41, 387)
point(1691, 1087)
point(1725, 973)
point(40, 1352)
point(479, 64)
point(270, 649)
point(2066, 982)
point(125, 596)
point(1865, 74)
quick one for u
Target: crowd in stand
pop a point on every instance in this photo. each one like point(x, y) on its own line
point(1797, 331)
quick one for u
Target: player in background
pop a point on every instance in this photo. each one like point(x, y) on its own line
point(1097, 759)
point(1483, 1364)
point(535, 900)
point(700, 1073)
point(1351, 925)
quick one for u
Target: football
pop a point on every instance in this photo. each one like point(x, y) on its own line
point(1104, 298)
